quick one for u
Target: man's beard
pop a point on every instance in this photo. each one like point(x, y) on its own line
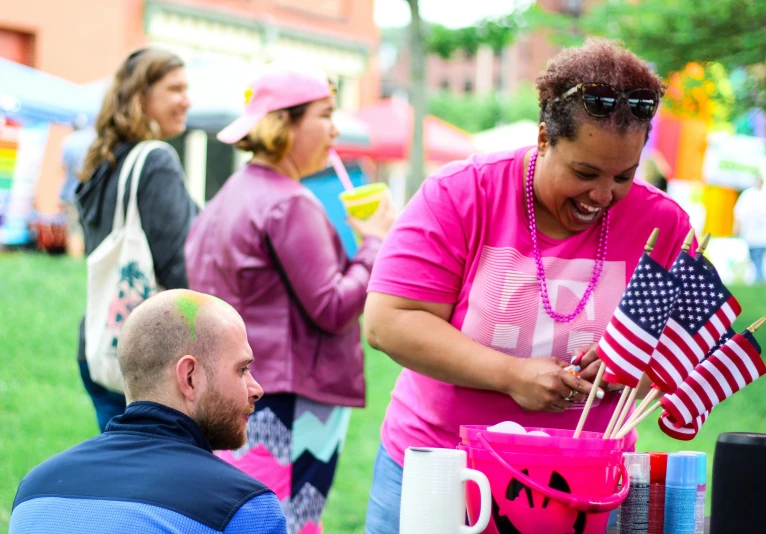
point(221, 421)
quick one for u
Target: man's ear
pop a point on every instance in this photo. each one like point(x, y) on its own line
point(189, 374)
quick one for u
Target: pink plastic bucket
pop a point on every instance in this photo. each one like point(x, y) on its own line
point(588, 444)
point(543, 485)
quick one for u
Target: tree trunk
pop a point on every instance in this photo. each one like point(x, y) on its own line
point(417, 100)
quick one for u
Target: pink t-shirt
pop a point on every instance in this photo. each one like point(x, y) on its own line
point(464, 239)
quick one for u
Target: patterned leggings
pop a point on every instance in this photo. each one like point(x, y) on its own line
point(292, 446)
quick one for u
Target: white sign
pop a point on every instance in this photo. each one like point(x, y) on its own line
point(733, 160)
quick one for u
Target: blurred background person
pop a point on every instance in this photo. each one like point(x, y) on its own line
point(264, 244)
point(750, 221)
point(147, 100)
point(73, 150)
point(655, 170)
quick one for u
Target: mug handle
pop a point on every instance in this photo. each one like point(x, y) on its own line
point(481, 480)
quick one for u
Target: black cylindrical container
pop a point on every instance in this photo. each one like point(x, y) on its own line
point(739, 483)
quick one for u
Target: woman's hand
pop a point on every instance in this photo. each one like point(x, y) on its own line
point(589, 363)
point(541, 384)
point(379, 223)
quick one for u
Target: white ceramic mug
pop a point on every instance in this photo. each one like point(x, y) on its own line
point(433, 493)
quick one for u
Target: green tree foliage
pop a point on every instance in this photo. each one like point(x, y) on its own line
point(477, 113)
point(672, 33)
point(494, 32)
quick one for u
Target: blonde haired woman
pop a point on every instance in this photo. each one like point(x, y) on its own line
point(264, 244)
point(146, 100)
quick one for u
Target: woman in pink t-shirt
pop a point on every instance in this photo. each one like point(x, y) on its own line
point(504, 265)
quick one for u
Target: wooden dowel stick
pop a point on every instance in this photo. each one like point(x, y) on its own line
point(644, 404)
point(631, 402)
point(701, 248)
point(627, 428)
point(617, 412)
point(688, 241)
point(652, 241)
point(753, 328)
point(589, 402)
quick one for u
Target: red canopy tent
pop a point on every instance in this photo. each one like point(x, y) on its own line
point(389, 124)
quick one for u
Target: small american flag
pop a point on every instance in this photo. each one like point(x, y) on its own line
point(683, 433)
point(730, 333)
point(634, 331)
point(704, 311)
point(732, 367)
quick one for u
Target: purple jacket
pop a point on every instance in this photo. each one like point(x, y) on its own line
point(264, 244)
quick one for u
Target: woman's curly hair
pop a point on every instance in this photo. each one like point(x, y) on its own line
point(598, 60)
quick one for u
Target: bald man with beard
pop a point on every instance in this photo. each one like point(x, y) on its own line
point(185, 360)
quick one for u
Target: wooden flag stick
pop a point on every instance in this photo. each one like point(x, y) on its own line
point(626, 409)
point(589, 402)
point(617, 412)
point(653, 394)
point(688, 241)
point(702, 246)
point(753, 328)
point(652, 241)
point(627, 428)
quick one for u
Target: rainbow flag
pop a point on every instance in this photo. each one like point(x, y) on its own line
point(9, 147)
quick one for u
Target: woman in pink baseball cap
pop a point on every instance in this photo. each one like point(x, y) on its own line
point(264, 244)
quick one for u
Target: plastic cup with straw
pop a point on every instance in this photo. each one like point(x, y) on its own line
point(360, 202)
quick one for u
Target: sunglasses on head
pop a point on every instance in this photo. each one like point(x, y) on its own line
point(601, 99)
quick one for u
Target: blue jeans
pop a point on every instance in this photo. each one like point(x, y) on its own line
point(107, 403)
point(756, 254)
point(385, 496)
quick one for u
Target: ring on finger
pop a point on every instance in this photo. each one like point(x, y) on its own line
point(571, 396)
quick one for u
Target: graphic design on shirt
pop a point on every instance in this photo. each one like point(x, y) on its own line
point(505, 311)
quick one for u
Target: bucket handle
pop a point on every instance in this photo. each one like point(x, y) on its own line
point(577, 502)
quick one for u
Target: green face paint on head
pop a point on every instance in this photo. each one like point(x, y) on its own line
point(188, 308)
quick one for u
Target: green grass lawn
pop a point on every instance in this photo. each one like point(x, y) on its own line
point(44, 410)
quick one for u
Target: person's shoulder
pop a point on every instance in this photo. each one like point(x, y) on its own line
point(477, 166)
point(262, 513)
point(37, 480)
point(163, 156)
point(645, 198)
point(478, 172)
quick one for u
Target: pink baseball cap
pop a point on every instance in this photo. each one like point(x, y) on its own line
point(278, 86)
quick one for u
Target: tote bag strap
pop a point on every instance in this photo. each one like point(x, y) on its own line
point(133, 217)
point(119, 211)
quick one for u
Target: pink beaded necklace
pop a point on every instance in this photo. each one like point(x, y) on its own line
point(543, 286)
